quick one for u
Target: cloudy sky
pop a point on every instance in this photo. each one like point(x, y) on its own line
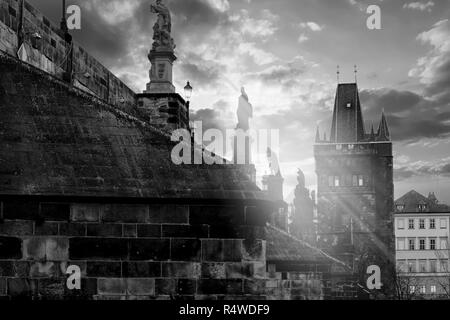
point(285, 53)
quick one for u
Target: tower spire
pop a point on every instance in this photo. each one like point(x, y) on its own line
point(356, 73)
point(383, 130)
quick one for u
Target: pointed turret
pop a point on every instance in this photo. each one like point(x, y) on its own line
point(383, 130)
point(318, 134)
point(372, 134)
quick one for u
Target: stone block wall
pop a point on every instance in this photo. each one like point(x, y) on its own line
point(128, 251)
point(139, 251)
point(52, 52)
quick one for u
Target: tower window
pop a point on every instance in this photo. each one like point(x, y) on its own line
point(351, 146)
point(349, 105)
point(360, 181)
point(337, 181)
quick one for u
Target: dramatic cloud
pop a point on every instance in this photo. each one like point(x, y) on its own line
point(411, 117)
point(421, 6)
point(422, 168)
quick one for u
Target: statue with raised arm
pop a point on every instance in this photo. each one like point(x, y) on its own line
point(162, 29)
point(244, 111)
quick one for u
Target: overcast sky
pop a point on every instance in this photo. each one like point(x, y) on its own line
point(285, 53)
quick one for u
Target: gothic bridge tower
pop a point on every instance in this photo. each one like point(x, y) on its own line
point(355, 188)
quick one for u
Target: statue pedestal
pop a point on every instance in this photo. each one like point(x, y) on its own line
point(161, 71)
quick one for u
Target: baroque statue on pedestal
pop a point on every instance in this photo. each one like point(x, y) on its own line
point(162, 29)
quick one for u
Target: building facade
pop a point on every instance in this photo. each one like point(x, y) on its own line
point(355, 188)
point(422, 246)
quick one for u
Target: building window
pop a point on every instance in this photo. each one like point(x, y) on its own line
point(421, 223)
point(433, 289)
point(422, 207)
point(444, 265)
point(432, 223)
point(349, 105)
point(411, 224)
point(443, 223)
point(433, 266)
point(412, 243)
point(423, 289)
point(401, 244)
point(412, 289)
point(422, 244)
point(412, 266)
point(339, 147)
point(351, 146)
point(361, 181)
point(432, 244)
point(422, 266)
point(337, 181)
point(400, 207)
point(401, 224)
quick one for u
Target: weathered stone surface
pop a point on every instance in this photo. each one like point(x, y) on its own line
point(46, 229)
point(57, 249)
point(104, 269)
point(20, 287)
point(185, 231)
point(212, 250)
point(2, 286)
point(35, 249)
point(72, 229)
point(186, 286)
point(254, 286)
point(254, 250)
point(165, 287)
point(232, 250)
point(98, 248)
point(213, 271)
point(86, 212)
point(16, 228)
point(112, 286)
point(149, 230)
point(141, 287)
point(43, 270)
point(129, 231)
point(10, 248)
point(185, 250)
point(127, 213)
point(169, 214)
point(104, 230)
point(150, 249)
point(55, 211)
point(23, 210)
point(141, 269)
point(219, 286)
point(188, 270)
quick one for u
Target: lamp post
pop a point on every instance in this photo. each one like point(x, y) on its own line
point(188, 93)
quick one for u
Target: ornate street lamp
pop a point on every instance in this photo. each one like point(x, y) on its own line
point(188, 92)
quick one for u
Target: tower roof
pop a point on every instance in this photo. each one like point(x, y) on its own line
point(348, 124)
point(383, 130)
